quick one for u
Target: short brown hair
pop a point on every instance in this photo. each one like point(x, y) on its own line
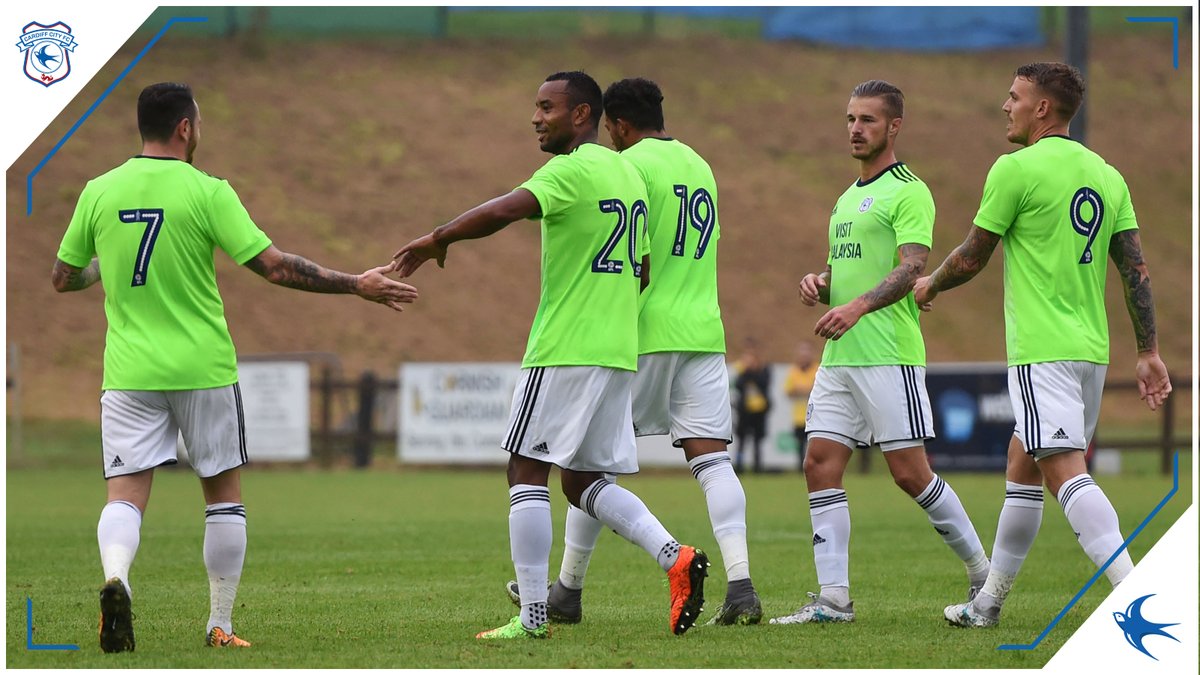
point(893, 98)
point(1061, 82)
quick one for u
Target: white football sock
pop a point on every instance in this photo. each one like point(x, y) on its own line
point(1020, 519)
point(119, 532)
point(580, 540)
point(830, 514)
point(726, 510)
point(530, 531)
point(950, 520)
point(625, 514)
point(1095, 522)
point(224, 555)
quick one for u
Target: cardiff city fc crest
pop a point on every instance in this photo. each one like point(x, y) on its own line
point(47, 51)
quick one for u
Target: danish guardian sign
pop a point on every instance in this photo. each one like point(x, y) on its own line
point(47, 51)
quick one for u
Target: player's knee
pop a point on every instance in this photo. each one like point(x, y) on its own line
point(820, 468)
point(910, 481)
point(575, 483)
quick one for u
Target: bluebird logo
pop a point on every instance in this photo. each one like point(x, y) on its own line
point(47, 51)
point(1136, 627)
point(866, 204)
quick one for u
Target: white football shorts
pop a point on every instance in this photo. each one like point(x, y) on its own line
point(685, 394)
point(859, 406)
point(575, 417)
point(139, 429)
point(1056, 404)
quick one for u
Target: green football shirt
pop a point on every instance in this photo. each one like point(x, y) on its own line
point(869, 222)
point(679, 310)
point(593, 211)
point(1056, 206)
point(154, 224)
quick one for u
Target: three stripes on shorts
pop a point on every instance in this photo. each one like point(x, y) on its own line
point(516, 433)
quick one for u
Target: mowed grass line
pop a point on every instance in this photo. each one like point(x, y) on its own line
point(401, 569)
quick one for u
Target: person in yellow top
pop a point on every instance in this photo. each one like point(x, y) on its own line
point(799, 382)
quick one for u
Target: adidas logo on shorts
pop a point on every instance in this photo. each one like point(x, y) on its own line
point(1060, 435)
point(116, 462)
point(940, 530)
point(818, 539)
point(540, 448)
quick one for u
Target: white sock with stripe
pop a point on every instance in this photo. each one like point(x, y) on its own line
point(530, 531)
point(726, 510)
point(580, 540)
point(622, 511)
point(830, 514)
point(950, 520)
point(1095, 523)
point(119, 533)
point(1020, 519)
point(224, 555)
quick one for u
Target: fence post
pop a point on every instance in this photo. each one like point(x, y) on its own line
point(326, 414)
point(364, 434)
point(1168, 435)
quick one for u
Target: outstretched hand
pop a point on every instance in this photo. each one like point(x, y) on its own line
point(1154, 385)
point(414, 254)
point(373, 285)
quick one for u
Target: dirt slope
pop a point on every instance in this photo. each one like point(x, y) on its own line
point(345, 151)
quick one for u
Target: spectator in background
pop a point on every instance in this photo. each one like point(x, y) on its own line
point(800, 377)
point(752, 384)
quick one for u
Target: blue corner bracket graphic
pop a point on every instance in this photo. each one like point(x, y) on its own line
point(1174, 21)
point(29, 633)
point(29, 179)
point(1033, 645)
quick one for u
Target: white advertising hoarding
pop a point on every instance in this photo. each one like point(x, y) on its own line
point(275, 404)
point(454, 413)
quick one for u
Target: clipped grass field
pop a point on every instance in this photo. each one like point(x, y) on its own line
point(400, 568)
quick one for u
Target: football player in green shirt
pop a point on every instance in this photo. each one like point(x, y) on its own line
point(147, 231)
point(1060, 210)
point(870, 386)
point(571, 407)
point(682, 383)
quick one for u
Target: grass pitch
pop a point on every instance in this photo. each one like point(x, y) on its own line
point(399, 569)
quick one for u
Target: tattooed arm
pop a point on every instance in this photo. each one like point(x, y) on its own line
point(293, 271)
point(959, 267)
point(1154, 384)
point(1126, 253)
point(70, 278)
point(897, 284)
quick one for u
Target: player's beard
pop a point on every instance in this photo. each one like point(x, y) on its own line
point(191, 149)
point(555, 144)
point(868, 151)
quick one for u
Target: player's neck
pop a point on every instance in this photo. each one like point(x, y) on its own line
point(639, 135)
point(1055, 129)
point(870, 168)
point(585, 137)
point(159, 149)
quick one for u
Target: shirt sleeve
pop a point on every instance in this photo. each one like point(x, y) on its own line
point(913, 216)
point(553, 186)
point(232, 227)
point(1003, 195)
point(79, 242)
point(1126, 220)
